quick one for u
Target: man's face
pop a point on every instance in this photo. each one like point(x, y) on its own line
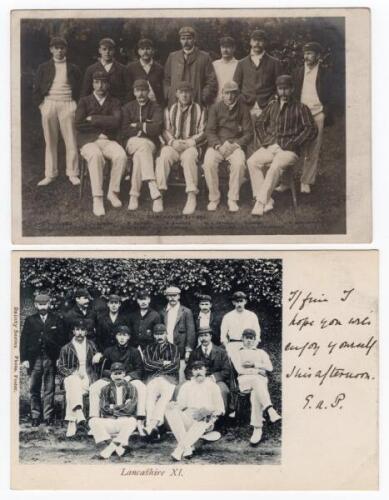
point(199, 374)
point(160, 337)
point(205, 306)
point(184, 97)
point(101, 87)
point(187, 41)
point(117, 375)
point(82, 301)
point(227, 52)
point(310, 57)
point(106, 53)
point(239, 304)
point(113, 306)
point(230, 97)
point(248, 342)
point(58, 51)
point(141, 95)
point(146, 53)
point(79, 333)
point(122, 338)
point(173, 299)
point(144, 302)
point(284, 91)
point(258, 46)
point(205, 339)
point(42, 308)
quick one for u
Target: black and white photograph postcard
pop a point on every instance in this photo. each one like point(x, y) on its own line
point(142, 367)
point(191, 126)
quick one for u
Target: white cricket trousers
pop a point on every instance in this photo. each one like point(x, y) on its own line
point(158, 394)
point(95, 391)
point(75, 388)
point(95, 153)
point(142, 151)
point(259, 396)
point(59, 116)
point(186, 430)
point(311, 152)
point(237, 163)
point(188, 159)
point(277, 160)
point(103, 429)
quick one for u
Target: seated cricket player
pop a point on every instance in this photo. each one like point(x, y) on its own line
point(122, 352)
point(229, 130)
point(252, 365)
point(76, 364)
point(142, 125)
point(184, 132)
point(162, 363)
point(283, 128)
point(216, 361)
point(198, 406)
point(98, 118)
point(118, 403)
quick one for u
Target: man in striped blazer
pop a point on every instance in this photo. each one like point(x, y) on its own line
point(184, 133)
point(283, 128)
point(162, 362)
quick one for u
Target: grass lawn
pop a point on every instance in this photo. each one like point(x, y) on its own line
point(55, 210)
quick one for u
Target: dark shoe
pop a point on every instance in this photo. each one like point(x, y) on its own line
point(49, 422)
point(154, 435)
point(35, 422)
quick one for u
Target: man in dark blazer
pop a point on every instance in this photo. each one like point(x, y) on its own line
point(190, 64)
point(217, 362)
point(41, 340)
point(180, 326)
point(107, 322)
point(56, 91)
point(142, 321)
point(313, 84)
point(82, 309)
point(98, 120)
point(116, 72)
point(207, 318)
point(146, 68)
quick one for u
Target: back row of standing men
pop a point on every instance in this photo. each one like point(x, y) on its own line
point(227, 105)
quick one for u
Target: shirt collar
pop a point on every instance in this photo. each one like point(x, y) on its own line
point(307, 69)
point(187, 108)
point(99, 99)
point(146, 65)
point(169, 307)
point(59, 61)
point(257, 57)
point(188, 52)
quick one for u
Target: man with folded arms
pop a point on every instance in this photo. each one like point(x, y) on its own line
point(284, 127)
point(161, 362)
point(184, 132)
point(229, 131)
point(98, 118)
point(118, 402)
point(108, 321)
point(198, 406)
point(142, 125)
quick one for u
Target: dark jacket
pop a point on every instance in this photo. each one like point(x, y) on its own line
point(258, 84)
point(41, 338)
point(106, 329)
point(214, 323)
point(153, 357)
point(142, 327)
point(217, 362)
point(108, 397)
point(45, 76)
point(154, 77)
point(73, 315)
point(68, 361)
point(197, 69)
point(234, 125)
point(184, 335)
point(106, 119)
point(129, 356)
point(117, 76)
point(148, 120)
point(324, 85)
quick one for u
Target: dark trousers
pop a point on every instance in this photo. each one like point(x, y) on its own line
point(42, 378)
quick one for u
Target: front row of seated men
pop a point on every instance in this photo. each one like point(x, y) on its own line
point(283, 128)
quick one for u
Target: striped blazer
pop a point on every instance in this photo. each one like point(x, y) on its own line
point(154, 356)
point(68, 360)
point(290, 126)
point(184, 124)
point(108, 397)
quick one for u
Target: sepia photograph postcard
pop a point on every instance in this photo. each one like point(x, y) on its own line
point(191, 126)
point(134, 370)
